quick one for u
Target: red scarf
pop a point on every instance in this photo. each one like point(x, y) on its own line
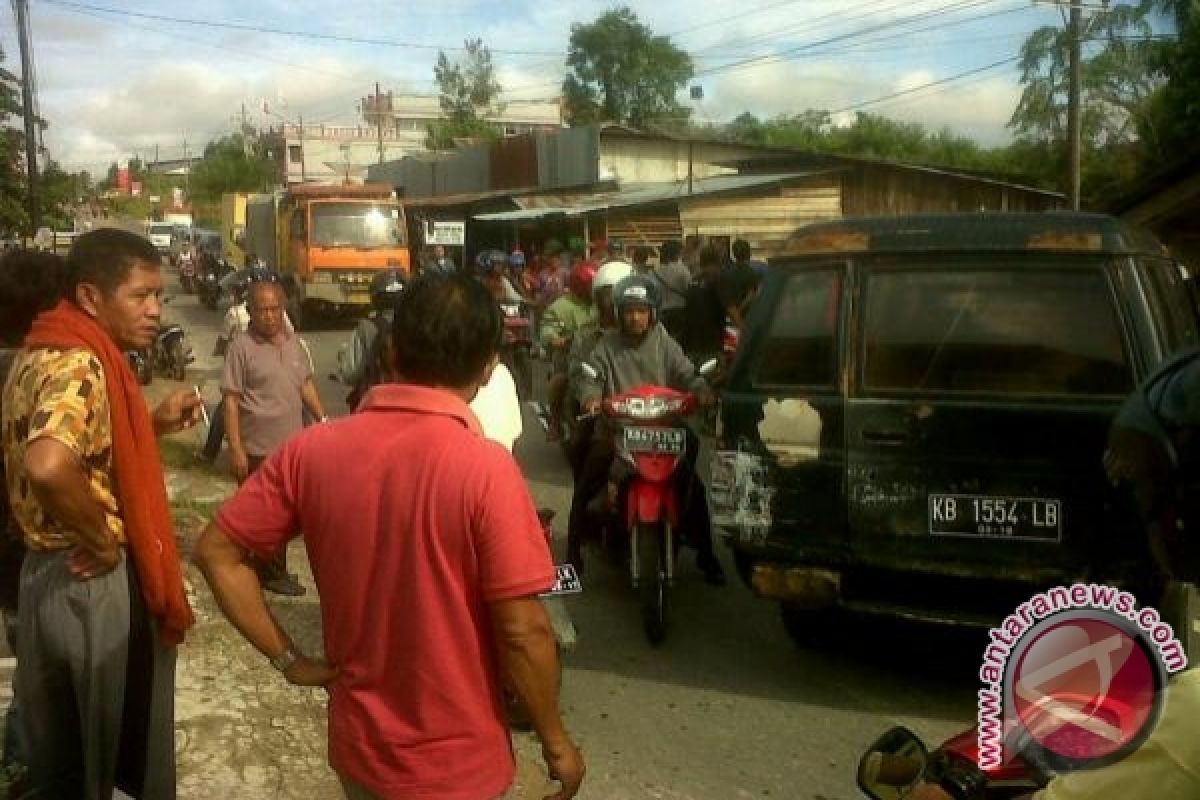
point(139, 474)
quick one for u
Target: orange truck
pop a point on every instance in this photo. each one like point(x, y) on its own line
point(328, 242)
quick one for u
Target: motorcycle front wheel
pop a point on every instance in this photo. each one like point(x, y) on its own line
point(652, 580)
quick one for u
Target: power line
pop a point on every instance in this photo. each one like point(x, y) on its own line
point(285, 32)
point(924, 86)
point(757, 60)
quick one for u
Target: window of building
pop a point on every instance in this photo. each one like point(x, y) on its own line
point(295, 153)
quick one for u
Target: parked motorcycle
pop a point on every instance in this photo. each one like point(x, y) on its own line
point(171, 353)
point(187, 272)
point(898, 762)
point(652, 440)
point(516, 352)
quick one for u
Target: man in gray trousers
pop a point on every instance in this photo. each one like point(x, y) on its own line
point(101, 596)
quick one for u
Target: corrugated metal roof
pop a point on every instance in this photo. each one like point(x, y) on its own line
point(541, 205)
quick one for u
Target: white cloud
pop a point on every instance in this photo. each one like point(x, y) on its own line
point(112, 84)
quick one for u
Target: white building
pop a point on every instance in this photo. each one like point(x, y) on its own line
point(327, 153)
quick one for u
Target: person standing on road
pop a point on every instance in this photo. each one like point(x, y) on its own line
point(267, 384)
point(673, 278)
point(97, 637)
point(738, 285)
point(421, 509)
point(30, 282)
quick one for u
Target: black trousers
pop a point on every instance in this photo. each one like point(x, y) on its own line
point(594, 471)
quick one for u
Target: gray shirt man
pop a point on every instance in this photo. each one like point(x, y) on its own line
point(270, 378)
point(657, 359)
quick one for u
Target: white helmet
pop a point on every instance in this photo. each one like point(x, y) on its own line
point(610, 275)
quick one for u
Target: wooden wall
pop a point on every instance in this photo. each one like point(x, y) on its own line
point(765, 219)
point(883, 190)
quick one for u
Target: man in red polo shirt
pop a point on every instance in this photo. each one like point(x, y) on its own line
point(428, 558)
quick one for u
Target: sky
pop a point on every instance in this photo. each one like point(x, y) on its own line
point(112, 84)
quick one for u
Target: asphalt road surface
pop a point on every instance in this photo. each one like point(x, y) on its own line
point(728, 707)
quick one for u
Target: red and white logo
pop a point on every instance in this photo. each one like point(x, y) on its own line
point(1083, 687)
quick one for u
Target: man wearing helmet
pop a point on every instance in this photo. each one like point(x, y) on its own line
point(362, 364)
point(639, 352)
point(561, 322)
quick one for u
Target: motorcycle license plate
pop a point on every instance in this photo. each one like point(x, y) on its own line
point(566, 581)
point(668, 441)
point(1038, 518)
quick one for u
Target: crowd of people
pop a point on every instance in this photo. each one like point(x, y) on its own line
point(430, 508)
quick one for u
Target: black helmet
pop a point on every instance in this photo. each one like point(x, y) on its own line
point(636, 290)
point(386, 288)
point(490, 261)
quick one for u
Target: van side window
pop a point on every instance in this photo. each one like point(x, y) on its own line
point(800, 345)
point(995, 331)
point(1172, 306)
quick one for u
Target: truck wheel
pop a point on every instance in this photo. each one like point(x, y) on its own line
point(744, 564)
point(808, 627)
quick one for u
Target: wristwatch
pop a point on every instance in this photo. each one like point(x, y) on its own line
point(284, 660)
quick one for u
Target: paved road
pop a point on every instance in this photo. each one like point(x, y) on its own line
point(728, 707)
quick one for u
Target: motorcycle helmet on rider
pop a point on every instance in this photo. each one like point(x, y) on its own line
point(636, 290)
point(607, 277)
point(580, 280)
point(490, 261)
point(386, 289)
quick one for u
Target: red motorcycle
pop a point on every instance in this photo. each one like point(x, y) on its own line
point(652, 440)
point(898, 762)
point(516, 350)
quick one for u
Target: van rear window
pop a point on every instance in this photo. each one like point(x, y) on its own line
point(994, 331)
point(799, 349)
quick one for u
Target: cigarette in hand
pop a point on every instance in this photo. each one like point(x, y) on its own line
point(203, 410)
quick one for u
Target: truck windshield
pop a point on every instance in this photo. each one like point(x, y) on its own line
point(162, 230)
point(356, 225)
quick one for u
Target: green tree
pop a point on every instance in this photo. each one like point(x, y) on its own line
point(13, 214)
point(1172, 117)
point(1119, 81)
point(619, 71)
point(467, 93)
point(231, 164)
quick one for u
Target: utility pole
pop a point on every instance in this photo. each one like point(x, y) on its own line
point(303, 172)
point(187, 173)
point(379, 119)
point(156, 155)
point(27, 107)
point(1074, 101)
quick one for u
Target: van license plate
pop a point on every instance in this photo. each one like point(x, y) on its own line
point(669, 441)
point(991, 516)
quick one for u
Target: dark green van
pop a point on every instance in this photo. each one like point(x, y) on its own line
point(915, 420)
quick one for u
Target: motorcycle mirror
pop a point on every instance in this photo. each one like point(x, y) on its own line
point(893, 765)
point(590, 371)
point(709, 367)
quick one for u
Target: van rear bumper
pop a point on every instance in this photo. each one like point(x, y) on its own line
point(953, 599)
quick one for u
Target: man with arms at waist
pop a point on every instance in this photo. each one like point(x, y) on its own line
point(406, 500)
point(102, 604)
